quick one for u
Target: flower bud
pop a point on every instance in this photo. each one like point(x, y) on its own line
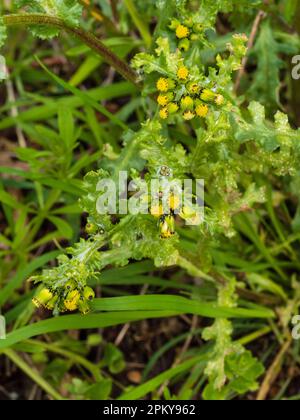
point(88, 293)
point(184, 45)
point(187, 103)
point(42, 298)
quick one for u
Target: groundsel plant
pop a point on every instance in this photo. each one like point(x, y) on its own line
point(196, 129)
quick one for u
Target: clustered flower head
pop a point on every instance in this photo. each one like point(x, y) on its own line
point(68, 298)
point(65, 289)
point(185, 96)
point(186, 32)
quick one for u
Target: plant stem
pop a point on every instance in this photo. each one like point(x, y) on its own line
point(14, 357)
point(86, 37)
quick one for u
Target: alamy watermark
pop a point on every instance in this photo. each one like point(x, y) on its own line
point(156, 196)
point(296, 67)
point(296, 329)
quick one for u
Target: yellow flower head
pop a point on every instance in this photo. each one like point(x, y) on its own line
point(71, 303)
point(162, 100)
point(182, 31)
point(163, 113)
point(157, 211)
point(182, 73)
point(202, 110)
point(187, 102)
point(188, 115)
point(50, 305)
point(207, 95)
point(162, 84)
point(174, 201)
point(219, 100)
point(173, 108)
point(193, 88)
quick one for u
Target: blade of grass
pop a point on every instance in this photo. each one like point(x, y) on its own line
point(24, 273)
point(85, 98)
point(177, 304)
point(35, 376)
point(79, 322)
point(139, 23)
point(43, 112)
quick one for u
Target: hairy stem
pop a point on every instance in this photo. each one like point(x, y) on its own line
point(86, 37)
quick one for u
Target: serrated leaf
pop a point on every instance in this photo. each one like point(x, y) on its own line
point(243, 370)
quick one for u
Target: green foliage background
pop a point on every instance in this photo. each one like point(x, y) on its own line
point(69, 118)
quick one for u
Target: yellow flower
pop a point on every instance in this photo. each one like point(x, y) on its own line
point(174, 201)
point(71, 303)
point(157, 211)
point(188, 115)
point(182, 73)
point(163, 113)
point(182, 31)
point(162, 100)
point(42, 298)
point(173, 108)
point(207, 95)
point(219, 100)
point(187, 102)
point(162, 84)
point(88, 293)
point(193, 88)
point(202, 110)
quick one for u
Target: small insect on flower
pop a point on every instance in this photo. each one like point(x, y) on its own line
point(162, 85)
point(182, 31)
point(165, 171)
point(167, 227)
point(42, 298)
point(182, 73)
point(202, 110)
point(163, 113)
